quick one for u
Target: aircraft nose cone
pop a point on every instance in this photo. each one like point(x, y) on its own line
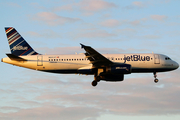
point(176, 65)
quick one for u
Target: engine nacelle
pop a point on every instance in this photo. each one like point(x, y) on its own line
point(112, 77)
point(119, 69)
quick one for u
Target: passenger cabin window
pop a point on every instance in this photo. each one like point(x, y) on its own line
point(83, 59)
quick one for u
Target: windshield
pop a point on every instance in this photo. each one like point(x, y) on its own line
point(167, 58)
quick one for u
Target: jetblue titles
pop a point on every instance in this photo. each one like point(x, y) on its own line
point(136, 58)
point(19, 48)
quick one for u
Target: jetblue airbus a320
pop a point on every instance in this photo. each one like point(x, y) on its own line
point(107, 67)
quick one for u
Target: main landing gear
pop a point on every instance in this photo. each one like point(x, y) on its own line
point(98, 78)
point(95, 82)
point(155, 80)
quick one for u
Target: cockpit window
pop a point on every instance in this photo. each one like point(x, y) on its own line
point(167, 58)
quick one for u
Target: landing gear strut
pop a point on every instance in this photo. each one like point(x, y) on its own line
point(155, 80)
point(95, 82)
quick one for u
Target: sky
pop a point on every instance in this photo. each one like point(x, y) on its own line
point(109, 26)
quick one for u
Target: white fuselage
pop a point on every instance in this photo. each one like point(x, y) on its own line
point(75, 63)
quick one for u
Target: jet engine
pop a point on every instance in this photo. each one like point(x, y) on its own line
point(119, 69)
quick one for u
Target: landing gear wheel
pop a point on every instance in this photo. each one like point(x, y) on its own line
point(155, 75)
point(94, 83)
point(156, 80)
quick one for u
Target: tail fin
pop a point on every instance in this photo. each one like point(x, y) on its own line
point(17, 44)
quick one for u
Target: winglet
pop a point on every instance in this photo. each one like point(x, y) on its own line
point(82, 46)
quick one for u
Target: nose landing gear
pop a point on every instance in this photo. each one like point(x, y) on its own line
point(155, 75)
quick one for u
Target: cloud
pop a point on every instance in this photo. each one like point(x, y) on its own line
point(86, 7)
point(151, 37)
point(45, 81)
point(125, 95)
point(159, 18)
point(166, 1)
point(53, 19)
point(61, 50)
point(126, 31)
point(128, 22)
point(52, 112)
point(89, 7)
point(49, 34)
point(96, 34)
point(134, 23)
point(110, 23)
point(6, 109)
point(30, 103)
point(79, 100)
point(95, 5)
point(137, 5)
point(78, 50)
point(92, 33)
point(12, 4)
point(68, 7)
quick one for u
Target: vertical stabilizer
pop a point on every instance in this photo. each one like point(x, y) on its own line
point(17, 44)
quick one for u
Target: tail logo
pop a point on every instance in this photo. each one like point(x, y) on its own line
point(19, 48)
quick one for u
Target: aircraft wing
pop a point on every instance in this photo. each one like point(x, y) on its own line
point(97, 59)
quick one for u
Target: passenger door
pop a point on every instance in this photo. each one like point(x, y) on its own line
point(39, 60)
point(156, 59)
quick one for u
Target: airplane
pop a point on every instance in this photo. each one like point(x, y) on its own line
point(106, 67)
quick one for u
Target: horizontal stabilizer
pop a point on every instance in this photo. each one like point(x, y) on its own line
point(16, 58)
